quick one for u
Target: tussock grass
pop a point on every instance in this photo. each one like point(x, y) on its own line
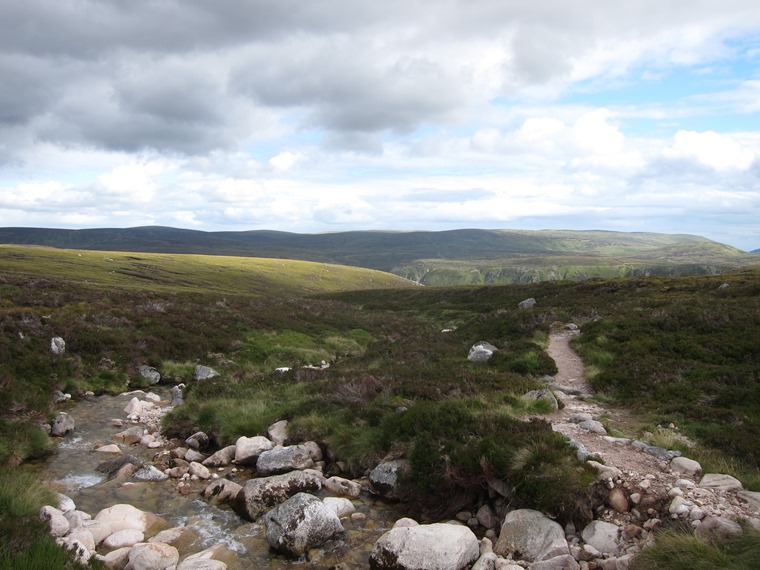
point(683, 551)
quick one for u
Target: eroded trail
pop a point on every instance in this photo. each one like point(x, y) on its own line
point(572, 388)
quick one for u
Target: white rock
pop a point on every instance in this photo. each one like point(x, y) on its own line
point(65, 504)
point(152, 556)
point(342, 506)
point(57, 523)
point(198, 470)
point(435, 546)
point(248, 449)
point(535, 536)
point(301, 523)
point(720, 482)
point(278, 432)
point(601, 535)
point(122, 538)
point(685, 466)
point(343, 487)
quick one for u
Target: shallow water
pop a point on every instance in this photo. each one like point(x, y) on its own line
point(73, 468)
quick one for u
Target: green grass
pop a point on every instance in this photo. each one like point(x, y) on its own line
point(683, 551)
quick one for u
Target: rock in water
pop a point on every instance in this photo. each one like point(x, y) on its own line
point(260, 495)
point(300, 523)
point(532, 535)
point(284, 459)
point(438, 546)
point(61, 425)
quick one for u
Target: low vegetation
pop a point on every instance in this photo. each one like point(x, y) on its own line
point(398, 381)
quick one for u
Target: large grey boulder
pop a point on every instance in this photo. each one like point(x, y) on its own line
point(284, 459)
point(61, 425)
point(221, 458)
point(532, 536)
point(149, 373)
point(542, 395)
point(260, 495)
point(425, 547)
point(248, 449)
point(278, 432)
point(57, 345)
point(222, 491)
point(481, 352)
point(720, 482)
point(602, 535)
point(204, 373)
point(716, 530)
point(198, 441)
point(527, 303)
point(150, 473)
point(386, 479)
point(300, 523)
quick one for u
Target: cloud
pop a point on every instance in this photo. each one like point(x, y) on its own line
point(719, 152)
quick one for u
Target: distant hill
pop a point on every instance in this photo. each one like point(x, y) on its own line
point(441, 258)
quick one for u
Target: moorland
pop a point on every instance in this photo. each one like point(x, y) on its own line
point(679, 350)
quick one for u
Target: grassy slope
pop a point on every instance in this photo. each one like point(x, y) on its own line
point(435, 258)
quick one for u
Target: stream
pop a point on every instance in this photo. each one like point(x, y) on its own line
point(72, 469)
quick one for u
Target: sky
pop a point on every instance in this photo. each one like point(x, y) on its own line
point(332, 115)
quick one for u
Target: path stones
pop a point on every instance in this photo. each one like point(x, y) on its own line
point(686, 467)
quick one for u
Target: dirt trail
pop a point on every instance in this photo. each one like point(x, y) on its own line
point(570, 378)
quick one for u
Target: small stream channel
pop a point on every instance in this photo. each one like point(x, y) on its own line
point(73, 470)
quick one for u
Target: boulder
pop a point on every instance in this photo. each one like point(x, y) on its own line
point(65, 503)
point(301, 523)
point(752, 497)
point(487, 517)
point(278, 432)
point(221, 458)
point(61, 425)
point(340, 505)
point(198, 470)
point(343, 487)
point(57, 345)
point(222, 491)
point(564, 562)
point(248, 449)
point(260, 495)
point(58, 525)
point(191, 455)
point(152, 556)
point(110, 448)
point(204, 373)
point(124, 537)
point(527, 303)
point(530, 535)
point(720, 482)
point(686, 467)
point(481, 352)
point(425, 547)
point(121, 516)
point(149, 373)
point(716, 530)
point(386, 479)
point(177, 397)
point(601, 535)
point(593, 426)
point(129, 436)
point(545, 395)
point(116, 559)
point(198, 441)
point(150, 473)
point(284, 459)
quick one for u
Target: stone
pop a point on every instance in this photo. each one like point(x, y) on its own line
point(679, 506)
point(177, 398)
point(542, 395)
point(150, 473)
point(180, 537)
point(751, 497)
point(81, 553)
point(152, 556)
point(601, 535)
point(124, 537)
point(61, 425)
point(58, 525)
point(579, 417)
point(76, 518)
point(116, 559)
point(284, 459)
point(405, 522)
point(260, 495)
point(137, 407)
point(720, 482)
point(481, 352)
point(315, 452)
point(606, 472)
point(564, 562)
point(658, 452)
point(194, 455)
point(278, 432)
point(427, 547)
point(527, 303)
point(342, 506)
point(149, 373)
point(686, 467)
point(57, 345)
point(593, 426)
point(222, 491)
point(110, 448)
point(199, 470)
point(530, 535)
point(128, 436)
point(248, 449)
point(486, 561)
point(487, 517)
point(387, 478)
point(121, 516)
point(343, 487)
point(194, 564)
point(617, 500)
point(221, 458)
point(716, 530)
point(198, 441)
point(204, 373)
point(301, 523)
point(65, 503)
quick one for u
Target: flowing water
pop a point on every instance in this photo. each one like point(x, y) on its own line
point(74, 469)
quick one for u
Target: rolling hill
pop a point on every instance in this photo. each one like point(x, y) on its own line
point(468, 256)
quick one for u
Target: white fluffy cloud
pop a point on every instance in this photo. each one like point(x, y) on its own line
point(719, 152)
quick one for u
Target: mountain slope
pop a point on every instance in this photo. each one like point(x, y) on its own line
point(447, 257)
